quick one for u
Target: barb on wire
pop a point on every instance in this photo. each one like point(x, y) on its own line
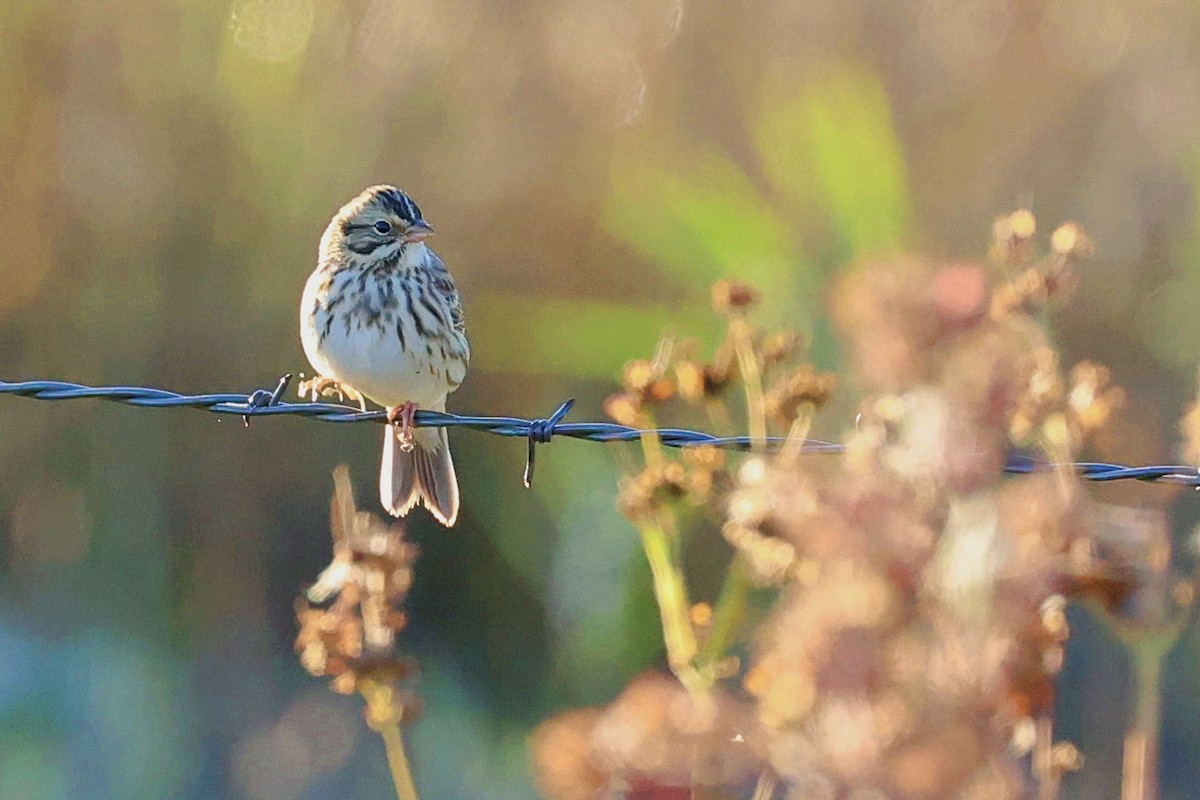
point(263, 402)
point(540, 431)
point(261, 398)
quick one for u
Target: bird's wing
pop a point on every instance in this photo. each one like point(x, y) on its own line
point(443, 283)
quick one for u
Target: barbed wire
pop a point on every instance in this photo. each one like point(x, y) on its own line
point(265, 403)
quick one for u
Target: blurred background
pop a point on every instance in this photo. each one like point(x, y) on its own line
point(591, 167)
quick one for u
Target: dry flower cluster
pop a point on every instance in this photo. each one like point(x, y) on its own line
point(350, 617)
point(892, 621)
point(918, 615)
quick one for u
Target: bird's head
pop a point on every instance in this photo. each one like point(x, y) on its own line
point(379, 224)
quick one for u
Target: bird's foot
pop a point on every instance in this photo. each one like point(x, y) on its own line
point(403, 416)
point(320, 386)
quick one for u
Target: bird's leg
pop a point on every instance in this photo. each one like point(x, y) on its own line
point(404, 416)
point(355, 395)
point(320, 385)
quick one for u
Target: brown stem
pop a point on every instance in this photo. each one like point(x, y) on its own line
point(670, 590)
point(384, 717)
point(729, 612)
point(756, 417)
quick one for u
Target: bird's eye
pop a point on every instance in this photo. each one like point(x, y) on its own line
point(383, 226)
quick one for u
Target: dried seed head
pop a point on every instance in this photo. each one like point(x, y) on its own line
point(805, 390)
point(1054, 616)
point(637, 375)
point(1021, 224)
point(1070, 240)
point(564, 760)
point(1050, 279)
point(770, 559)
point(353, 638)
point(699, 382)
point(623, 408)
point(689, 377)
point(655, 486)
point(1065, 757)
point(658, 736)
point(1041, 393)
point(729, 296)
point(779, 346)
point(1012, 238)
point(645, 382)
point(1092, 399)
point(704, 457)
point(918, 620)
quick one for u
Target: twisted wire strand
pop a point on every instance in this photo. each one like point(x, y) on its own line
point(265, 403)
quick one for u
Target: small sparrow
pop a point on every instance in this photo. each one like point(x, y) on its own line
point(380, 317)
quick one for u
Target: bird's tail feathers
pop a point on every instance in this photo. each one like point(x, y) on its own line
point(423, 475)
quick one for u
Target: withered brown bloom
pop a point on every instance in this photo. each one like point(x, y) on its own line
point(652, 741)
point(705, 466)
point(1059, 411)
point(1033, 284)
point(350, 617)
point(729, 296)
point(920, 624)
point(1012, 238)
point(778, 347)
point(645, 384)
point(563, 757)
point(805, 388)
point(1070, 240)
point(655, 486)
point(1092, 398)
point(623, 408)
point(647, 379)
point(919, 617)
point(699, 382)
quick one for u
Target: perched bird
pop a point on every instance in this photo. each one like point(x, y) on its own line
point(380, 317)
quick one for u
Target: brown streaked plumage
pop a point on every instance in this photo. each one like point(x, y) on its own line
point(380, 314)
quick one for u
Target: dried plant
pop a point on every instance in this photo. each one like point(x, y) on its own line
point(917, 594)
point(350, 617)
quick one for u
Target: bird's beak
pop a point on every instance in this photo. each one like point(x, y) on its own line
point(417, 231)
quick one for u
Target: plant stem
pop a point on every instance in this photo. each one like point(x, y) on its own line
point(651, 445)
point(660, 541)
point(1148, 645)
point(1048, 777)
point(730, 609)
point(1140, 768)
point(751, 379)
point(718, 414)
point(670, 589)
point(384, 718)
point(764, 787)
point(793, 448)
point(1148, 648)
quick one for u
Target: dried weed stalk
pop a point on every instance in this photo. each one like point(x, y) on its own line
point(918, 614)
point(350, 617)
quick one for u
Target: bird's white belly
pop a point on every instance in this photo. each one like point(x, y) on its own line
point(372, 360)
